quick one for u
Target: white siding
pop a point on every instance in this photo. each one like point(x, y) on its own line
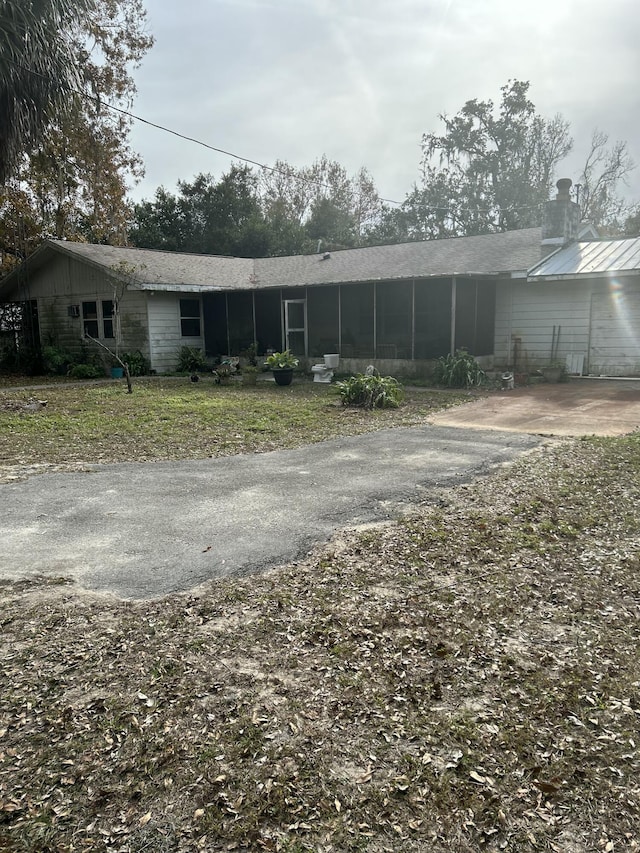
point(615, 330)
point(595, 317)
point(164, 331)
point(528, 313)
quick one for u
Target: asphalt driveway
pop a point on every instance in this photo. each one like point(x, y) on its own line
point(147, 530)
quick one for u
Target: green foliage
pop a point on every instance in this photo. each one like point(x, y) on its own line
point(458, 371)
point(191, 360)
point(38, 71)
point(370, 392)
point(281, 360)
point(138, 363)
point(251, 353)
point(76, 178)
point(490, 170)
point(85, 371)
point(57, 361)
point(221, 217)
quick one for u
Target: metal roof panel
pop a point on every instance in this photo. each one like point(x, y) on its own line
point(595, 257)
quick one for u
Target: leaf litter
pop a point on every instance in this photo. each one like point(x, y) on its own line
point(465, 679)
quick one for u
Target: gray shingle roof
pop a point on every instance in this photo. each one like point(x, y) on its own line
point(489, 253)
point(590, 258)
point(161, 270)
point(158, 270)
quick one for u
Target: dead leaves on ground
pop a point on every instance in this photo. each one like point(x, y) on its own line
point(465, 680)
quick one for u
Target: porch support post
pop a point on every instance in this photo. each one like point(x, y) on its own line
point(253, 308)
point(413, 319)
point(452, 344)
point(375, 320)
point(226, 308)
point(340, 319)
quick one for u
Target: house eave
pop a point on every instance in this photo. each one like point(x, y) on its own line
point(573, 276)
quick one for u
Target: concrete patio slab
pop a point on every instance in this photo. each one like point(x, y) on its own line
point(605, 407)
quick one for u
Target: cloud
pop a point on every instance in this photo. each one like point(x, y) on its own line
point(362, 80)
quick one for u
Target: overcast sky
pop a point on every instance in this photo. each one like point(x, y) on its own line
point(362, 80)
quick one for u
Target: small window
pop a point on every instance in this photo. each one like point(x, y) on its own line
point(107, 318)
point(190, 318)
point(90, 318)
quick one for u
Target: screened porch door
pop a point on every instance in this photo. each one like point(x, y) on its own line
point(295, 326)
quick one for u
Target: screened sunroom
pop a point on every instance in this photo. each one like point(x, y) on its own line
point(407, 320)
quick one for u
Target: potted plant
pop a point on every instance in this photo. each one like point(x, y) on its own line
point(282, 365)
point(249, 374)
point(222, 373)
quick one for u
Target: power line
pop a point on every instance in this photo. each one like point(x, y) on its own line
point(289, 174)
point(248, 160)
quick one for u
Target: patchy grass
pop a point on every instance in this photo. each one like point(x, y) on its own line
point(177, 419)
point(467, 679)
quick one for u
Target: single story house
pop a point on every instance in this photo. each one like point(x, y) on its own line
point(398, 306)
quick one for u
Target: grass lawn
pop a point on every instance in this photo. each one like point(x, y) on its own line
point(465, 679)
point(178, 419)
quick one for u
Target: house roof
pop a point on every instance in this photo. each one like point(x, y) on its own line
point(151, 268)
point(464, 256)
point(488, 254)
point(583, 259)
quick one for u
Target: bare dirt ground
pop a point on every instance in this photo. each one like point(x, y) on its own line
point(574, 408)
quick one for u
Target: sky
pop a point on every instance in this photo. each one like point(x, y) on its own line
point(362, 80)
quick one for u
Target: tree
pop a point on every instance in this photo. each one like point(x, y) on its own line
point(207, 216)
point(631, 226)
point(323, 199)
point(38, 70)
point(490, 171)
point(494, 167)
point(604, 168)
point(75, 180)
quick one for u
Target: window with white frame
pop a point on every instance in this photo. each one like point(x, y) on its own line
point(190, 318)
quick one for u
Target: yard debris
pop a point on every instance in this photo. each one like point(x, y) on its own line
point(296, 710)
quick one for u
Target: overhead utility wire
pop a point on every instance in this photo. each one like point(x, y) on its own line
point(274, 169)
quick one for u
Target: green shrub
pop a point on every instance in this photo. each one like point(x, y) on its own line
point(191, 360)
point(458, 371)
point(57, 361)
point(85, 371)
point(138, 363)
point(370, 392)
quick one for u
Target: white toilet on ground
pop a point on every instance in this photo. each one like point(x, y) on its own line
point(324, 372)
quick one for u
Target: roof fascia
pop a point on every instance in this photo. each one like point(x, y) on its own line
point(578, 276)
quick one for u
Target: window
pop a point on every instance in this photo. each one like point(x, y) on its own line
point(94, 322)
point(190, 318)
point(107, 318)
point(90, 319)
